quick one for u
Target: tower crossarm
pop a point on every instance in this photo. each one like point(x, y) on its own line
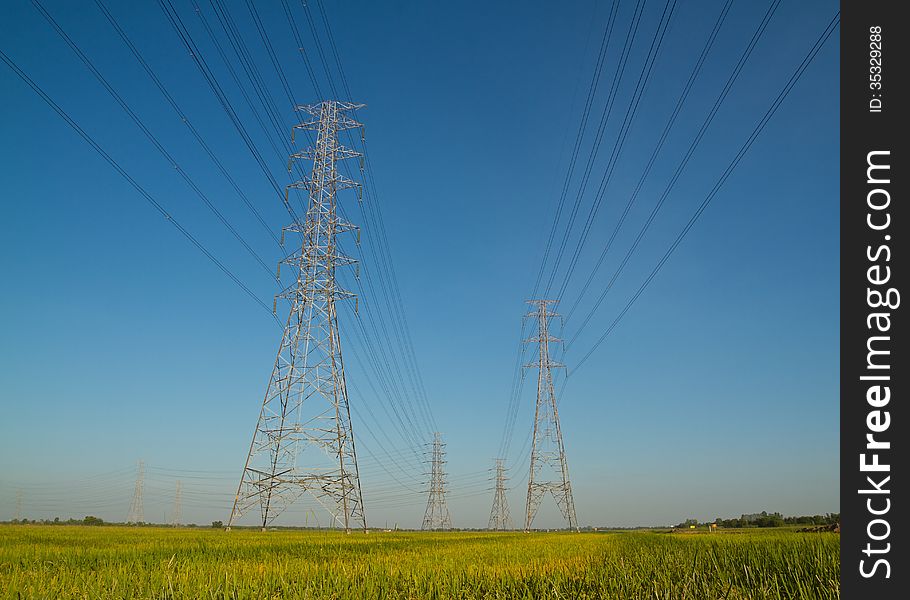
point(549, 365)
point(338, 226)
point(339, 181)
point(293, 293)
point(538, 339)
point(340, 153)
point(338, 259)
point(340, 106)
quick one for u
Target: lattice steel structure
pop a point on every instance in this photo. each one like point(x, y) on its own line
point(304, 442)
point(437, 513)
point(178, 499)
point(500, 520)
point(549, 471)
point(137, 512)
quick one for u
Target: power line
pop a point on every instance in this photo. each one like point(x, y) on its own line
point(396, 302)
point(794, 78)
point(183, 33)
point(517, 379)
point(116, 166)
point(579, 136)
point(651, 160)
point(243, 56)
point(149, 135)
point(255, 78)
point(385, 334)
point(631, 32)
point(680, 168)
point(640, 86)
point(185, 119)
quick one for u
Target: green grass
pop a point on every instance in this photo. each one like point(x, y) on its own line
point(120, 562)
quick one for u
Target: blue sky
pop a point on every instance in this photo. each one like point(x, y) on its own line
point(716, 395)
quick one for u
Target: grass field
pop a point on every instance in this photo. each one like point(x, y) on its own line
point(121, 562)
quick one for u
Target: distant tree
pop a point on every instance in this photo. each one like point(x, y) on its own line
point(217, 524)
point(766, 520)
point(90, 520)
point(688, 523)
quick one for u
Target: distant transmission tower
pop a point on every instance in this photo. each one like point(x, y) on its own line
point(499, 515)
point(175, 514)
point(303, 441)
point(19, 505)
point(137, 513)
point(437, 513)
point(549, 471)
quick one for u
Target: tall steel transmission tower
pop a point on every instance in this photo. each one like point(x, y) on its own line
point(19, 505)
point(437, 513)
point(303, 442)
point(549, 471)
point(137, 513)
point(500, 520)
point(175, 514)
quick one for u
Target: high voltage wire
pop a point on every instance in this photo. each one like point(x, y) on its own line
point(631, 32)
point(514, 390)
point(319, 51)
point(208, 75)
point(640, 86)
point(328, 31)
point(243, 55)
point(663, 137)
point(204, 487)
point(151, 137)
point(381, 367)
point(123, 173)
point(589, 101)
point(259, 87)
point(517, 380)
point(380, 320)
point(371, 350)
point(170, 99)
point(289, 15)
point(680, 168)
point(763, 24)
point(202, 68)
point(794, 78)
point(377, 218)
point(396, 302)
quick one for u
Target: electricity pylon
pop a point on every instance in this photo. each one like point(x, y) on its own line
point(549, 471)
point(19, 505)
point(137, 513)
point(500, 520)
point(437, 513)
point(175, 515)
point(303, 441)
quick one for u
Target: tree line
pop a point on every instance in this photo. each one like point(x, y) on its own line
point(766, 519)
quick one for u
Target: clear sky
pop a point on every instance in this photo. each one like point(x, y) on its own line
point(715, 395)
